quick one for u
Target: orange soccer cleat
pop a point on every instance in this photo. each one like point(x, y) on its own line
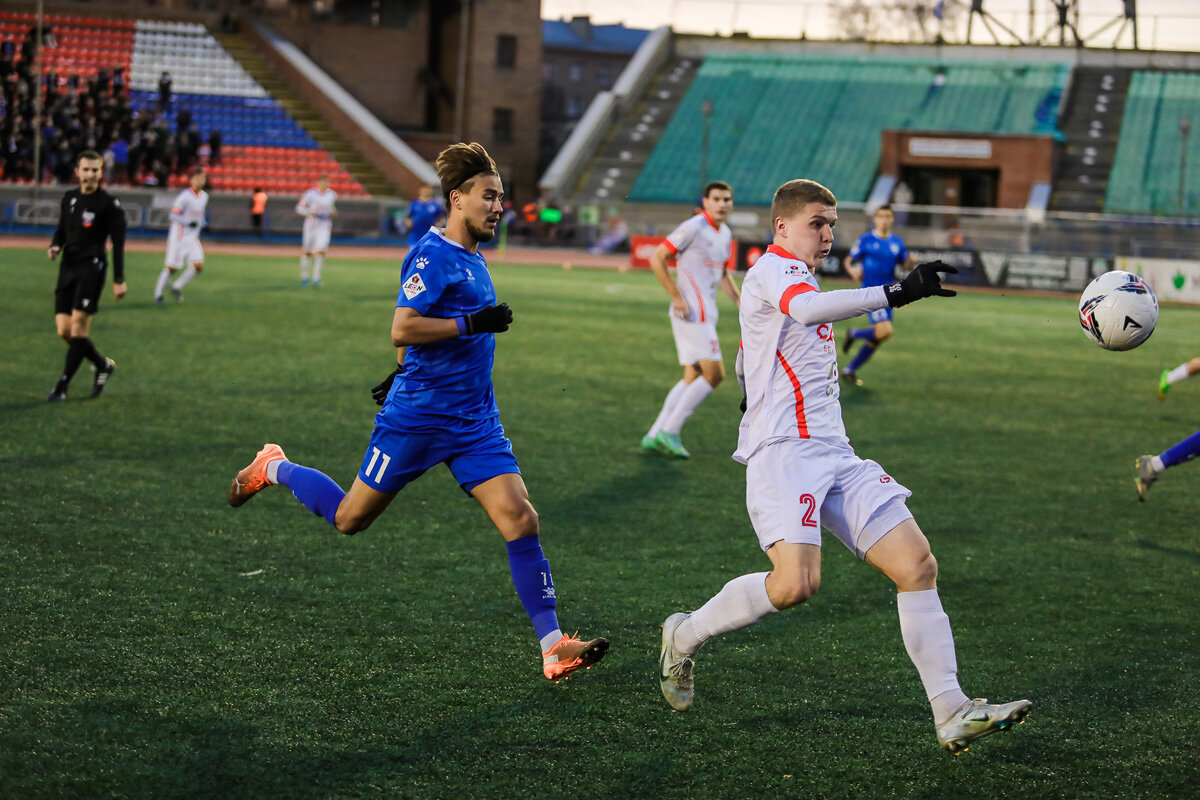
point(253, 479)
point(569, 654)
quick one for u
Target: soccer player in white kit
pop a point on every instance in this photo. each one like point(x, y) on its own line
point(701, 247)
point(183, 237)
point(802, 474)
point(317, 208)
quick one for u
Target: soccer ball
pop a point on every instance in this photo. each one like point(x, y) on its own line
point(1118, 311)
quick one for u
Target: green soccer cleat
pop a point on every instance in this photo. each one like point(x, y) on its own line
point(1146, 476)
point(669, 444)
point(675, 668)
point(975, 719)
point(648, 443)
point(1163, 385)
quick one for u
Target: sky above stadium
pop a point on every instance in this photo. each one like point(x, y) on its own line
point(1162, 24)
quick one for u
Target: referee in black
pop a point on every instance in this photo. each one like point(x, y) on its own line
point(89, 217)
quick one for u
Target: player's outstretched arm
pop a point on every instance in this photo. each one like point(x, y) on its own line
point(924, 281)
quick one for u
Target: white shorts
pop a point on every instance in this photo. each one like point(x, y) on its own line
point(796, 486)
point(316, 237)
point(185, 249)
point(695, 341)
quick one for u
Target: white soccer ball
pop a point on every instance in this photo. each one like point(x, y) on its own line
point(1118, 311)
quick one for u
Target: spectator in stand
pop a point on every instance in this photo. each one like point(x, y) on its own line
point(164, 91)
point(183, 121)
point(120, 157)
point(214, 145)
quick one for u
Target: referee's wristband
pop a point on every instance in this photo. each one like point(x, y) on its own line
point(461, 322)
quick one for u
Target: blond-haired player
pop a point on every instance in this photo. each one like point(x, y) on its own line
point(701, 246)
point(183, 237)
point(802, 474)
point(318, 208)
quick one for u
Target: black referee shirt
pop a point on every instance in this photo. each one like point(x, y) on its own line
point(84, 223)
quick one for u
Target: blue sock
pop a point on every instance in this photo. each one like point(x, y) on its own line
point(860, 358)
point(863, 333)
point(313, 488)
point(535, 587)
point(1186, 450)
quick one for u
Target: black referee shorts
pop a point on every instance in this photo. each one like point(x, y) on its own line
point(79, 287)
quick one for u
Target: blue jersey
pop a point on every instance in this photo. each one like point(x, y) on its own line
point(423, 215)
point(879, 257)
point(451, 378)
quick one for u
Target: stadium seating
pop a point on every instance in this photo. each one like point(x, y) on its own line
point(821, 117)
point(261, 144)
point(1145, 178)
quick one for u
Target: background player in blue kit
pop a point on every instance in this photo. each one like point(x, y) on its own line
point(880, 252)
point(423, 214)
point(441, 407)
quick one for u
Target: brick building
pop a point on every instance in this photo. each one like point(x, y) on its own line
point(435, 71)
point(580, 60)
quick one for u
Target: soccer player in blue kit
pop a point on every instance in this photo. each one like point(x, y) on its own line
point(423, 214)
point(880, 252)
point(441, 408)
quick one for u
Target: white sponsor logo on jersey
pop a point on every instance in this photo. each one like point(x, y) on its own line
point(421, 263)
point(413, 287)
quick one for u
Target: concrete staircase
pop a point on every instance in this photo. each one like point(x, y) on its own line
point(246, 54)
point(633, 135)
point(1091, 124)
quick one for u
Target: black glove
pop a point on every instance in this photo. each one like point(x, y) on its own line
point(742, 405)
point(193, 224)
point(495, 319)
point(922, 282)
point(380, 392)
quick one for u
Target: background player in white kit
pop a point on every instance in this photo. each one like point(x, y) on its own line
point(701, 246)
point(183, 237)
point(801, 472)
point(317, 208)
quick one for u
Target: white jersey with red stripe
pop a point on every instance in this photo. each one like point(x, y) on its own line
point(701, 250)
point(187, 215)
point(789, 352)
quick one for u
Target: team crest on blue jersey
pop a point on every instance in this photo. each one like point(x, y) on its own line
point(88, 218)
point(413, 287)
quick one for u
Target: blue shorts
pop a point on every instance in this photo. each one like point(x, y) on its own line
point(475, 451)
point(880, 315)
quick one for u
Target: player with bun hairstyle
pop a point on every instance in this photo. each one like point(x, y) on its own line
point(439, 406)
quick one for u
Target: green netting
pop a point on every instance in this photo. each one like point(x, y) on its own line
point(775, 118)
point(1145, 177)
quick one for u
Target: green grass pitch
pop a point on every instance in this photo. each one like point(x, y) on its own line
point(155, 643)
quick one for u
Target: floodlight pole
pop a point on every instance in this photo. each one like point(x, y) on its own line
point(706, 110)
point(1185, 127)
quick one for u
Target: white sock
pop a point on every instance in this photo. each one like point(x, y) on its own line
point(185, 278)
point(318, 262)
point(550, 639)
point(161, 286)
point(930, 644)
point(689, 401)
point(1157, 463)
point(273, 470)
point(668, 407)
point(304, 267)
point(1178, 374)
point(740, 603)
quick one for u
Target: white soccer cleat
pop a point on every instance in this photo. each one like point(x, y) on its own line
point(1146, 476)
point(675, 668)
point(975, 719)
